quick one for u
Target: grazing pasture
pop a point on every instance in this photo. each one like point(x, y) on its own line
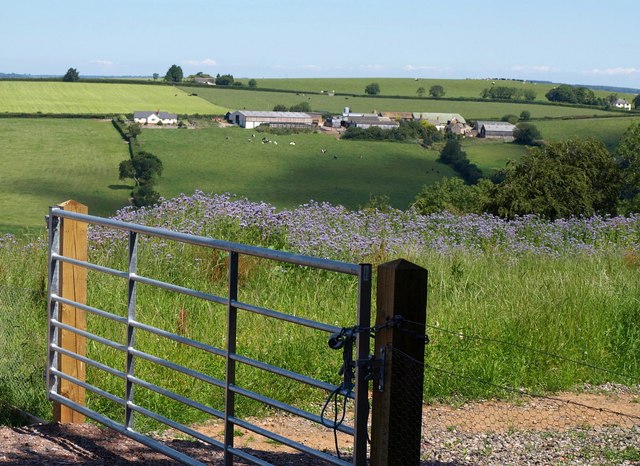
point(46, 161)
point(258, 100)
point(469, 88)
point(224, 160)
point(608, 130)
point(92, 98)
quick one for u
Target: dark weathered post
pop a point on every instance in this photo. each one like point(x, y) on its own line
point(397, 391)
point(73, 286)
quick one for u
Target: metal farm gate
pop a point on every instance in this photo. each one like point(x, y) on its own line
point(68, 337)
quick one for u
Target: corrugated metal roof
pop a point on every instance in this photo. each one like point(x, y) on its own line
point(262, 114)
point(443, 117)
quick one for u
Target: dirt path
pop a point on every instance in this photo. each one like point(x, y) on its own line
point(88, 444)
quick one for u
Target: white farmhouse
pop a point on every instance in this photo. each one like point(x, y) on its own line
point(621, 103)
point(152, 118)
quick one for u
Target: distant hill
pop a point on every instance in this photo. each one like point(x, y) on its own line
point(622, 90)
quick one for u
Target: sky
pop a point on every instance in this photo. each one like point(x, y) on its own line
point(566, 41)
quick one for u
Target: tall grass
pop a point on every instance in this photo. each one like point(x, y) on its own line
point(527, 304)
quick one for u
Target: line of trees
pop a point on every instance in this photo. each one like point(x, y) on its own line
point(142, 167)
point(508, 93)
point(581, 95)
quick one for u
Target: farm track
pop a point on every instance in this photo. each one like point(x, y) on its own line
point(478, 433)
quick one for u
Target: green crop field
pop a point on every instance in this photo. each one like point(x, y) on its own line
point(79, 98)
point(223, 160)
point(47, 161)
point(258, 100)
point(470, 88)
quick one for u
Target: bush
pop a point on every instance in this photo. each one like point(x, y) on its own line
point(511, 118)
point(525, 115)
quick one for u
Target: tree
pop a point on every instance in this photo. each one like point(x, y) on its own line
point(155, 76)
point(511, 118)
point(280, 108)
point(636, 102)
point(420, 91)
point(134, 130)
point(526, 134)
point(143, 168)
point(452, 195)
point(559, 180)
point(174, 74)
point(628, 159)
point(453, 155)
point(301, 107)
point(562, 93)
point(372, 89)
point(253, 83)
point(144, 195)
point(525, 115)
point(224, 80)
point(72, 75)
point(436, 91)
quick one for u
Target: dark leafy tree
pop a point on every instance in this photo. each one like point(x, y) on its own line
point(280, 108)
point(525, 115)
point(453, 195)
point(253, 83)
point(559, 180)
point(301, 107)
point(636, 102)
point(372, 89)
point(562, 93)
point(510, 117)
point(436, 91)
point(155, 76)
point(224, 80)
point(143, 168)
point(420, 91)
point(526, 134)
point(174, 74)
point(529, 94)
point(628, 158)
point(144, 195)
point(71, 75)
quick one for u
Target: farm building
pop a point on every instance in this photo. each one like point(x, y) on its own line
point(621, 103)
point(251, 119)
point(495, 129)
point(153, 118)
point(205, 81)
point(367, 121)
point(440, 120)
point(397, 115)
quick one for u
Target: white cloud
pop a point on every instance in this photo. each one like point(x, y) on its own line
point(374, 67)
point(205, 62)
point(102, 62)
point(533, 68)
point(619, 71)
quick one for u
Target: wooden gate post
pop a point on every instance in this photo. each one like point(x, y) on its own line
point(397, 396)
point(73, 286)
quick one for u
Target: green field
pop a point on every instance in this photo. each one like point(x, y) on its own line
point(79, 98)
point(490, 155)
point(256, 100)
point(469, 88)
point(608, 130)
point(223, 160)
point(47, 161)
